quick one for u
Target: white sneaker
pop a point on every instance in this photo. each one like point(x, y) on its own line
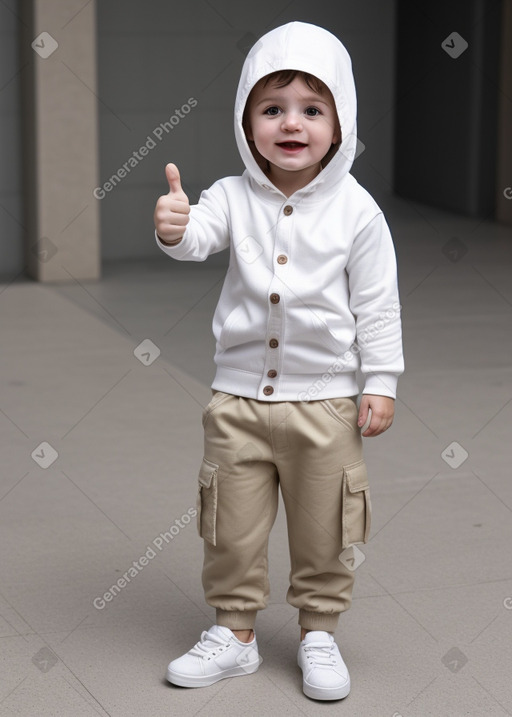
point(325, 675)
point(217, 655)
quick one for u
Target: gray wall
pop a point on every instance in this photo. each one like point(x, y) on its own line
point(11, 230)
point(154, 56)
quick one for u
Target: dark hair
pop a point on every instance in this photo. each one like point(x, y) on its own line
point(281, 78)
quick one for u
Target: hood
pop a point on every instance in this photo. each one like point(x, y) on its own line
point(309, 48)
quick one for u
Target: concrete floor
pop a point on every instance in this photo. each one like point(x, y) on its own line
point(430, 629)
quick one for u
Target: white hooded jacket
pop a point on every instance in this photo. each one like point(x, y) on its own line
point(311, 290)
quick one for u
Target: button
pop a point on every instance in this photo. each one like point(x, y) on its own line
point(273, 343)
point(265, 186)
point(268, 390)
point(275, 298)
point(288, 210)
point(282, 259)
point(272, 373)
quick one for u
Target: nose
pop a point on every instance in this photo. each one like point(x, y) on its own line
point(291, 122)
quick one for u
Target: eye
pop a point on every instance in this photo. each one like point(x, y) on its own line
point(312, 112)
point(272, 111)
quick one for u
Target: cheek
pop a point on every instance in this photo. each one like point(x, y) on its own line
point(331, 135)
point(262, 131)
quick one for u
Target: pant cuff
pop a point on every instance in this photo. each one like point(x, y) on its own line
point(236, 619)
point(318, 620)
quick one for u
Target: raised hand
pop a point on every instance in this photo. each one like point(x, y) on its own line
point(172, 209)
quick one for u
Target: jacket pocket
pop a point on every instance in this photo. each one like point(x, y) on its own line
point(356, 505)
point(227, 327)
point(207, 501)
point(328, 338)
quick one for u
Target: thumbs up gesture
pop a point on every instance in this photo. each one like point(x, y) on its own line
point(172, 209)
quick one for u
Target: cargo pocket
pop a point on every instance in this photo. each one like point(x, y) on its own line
point(207, 501)
point(356, 506)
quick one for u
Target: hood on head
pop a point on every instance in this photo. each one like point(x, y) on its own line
point(308, 48)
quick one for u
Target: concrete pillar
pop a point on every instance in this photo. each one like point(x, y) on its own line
point(504, 168)
point(60, 139)
point(447, 63)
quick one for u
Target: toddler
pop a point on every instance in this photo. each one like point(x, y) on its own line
point(309, 297)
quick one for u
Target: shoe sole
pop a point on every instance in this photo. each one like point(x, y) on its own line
point(207, 680)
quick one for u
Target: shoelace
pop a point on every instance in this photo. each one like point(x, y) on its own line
point(321, 652)
point(203, 649)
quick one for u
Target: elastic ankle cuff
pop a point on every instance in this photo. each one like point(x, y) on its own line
point(318, 620)
point(236, 619)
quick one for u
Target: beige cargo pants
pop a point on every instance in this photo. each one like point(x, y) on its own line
point(314, 452)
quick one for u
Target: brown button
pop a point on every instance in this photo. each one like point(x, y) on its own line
point(282, 259)
point(273, 343)
point(275, 298)
point(272, 373)
point(268, 390)
point(288, 210)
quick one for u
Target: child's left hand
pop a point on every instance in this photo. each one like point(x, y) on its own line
point(383, 410)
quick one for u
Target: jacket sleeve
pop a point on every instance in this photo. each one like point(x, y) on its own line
point(375, 304)
point(207, 231)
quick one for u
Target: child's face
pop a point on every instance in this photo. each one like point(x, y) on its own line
point(293, 127)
